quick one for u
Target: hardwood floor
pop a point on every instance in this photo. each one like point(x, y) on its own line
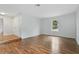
point(42, 44)
point(8, 38)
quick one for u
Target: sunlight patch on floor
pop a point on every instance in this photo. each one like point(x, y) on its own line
point(55, 45)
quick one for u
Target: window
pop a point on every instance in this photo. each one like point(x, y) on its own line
point(54, 24)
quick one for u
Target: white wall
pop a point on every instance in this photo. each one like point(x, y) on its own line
point(10, 25)
point(7, 25)
point(29, 26)
point(1, 24)
point(66, 26)
point(24, 26)
point(17, 25)
point(77, 26)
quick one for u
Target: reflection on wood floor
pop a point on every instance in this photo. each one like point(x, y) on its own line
point(8, 38)
point(42, 44)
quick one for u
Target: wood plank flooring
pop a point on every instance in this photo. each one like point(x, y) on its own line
point(42, 44)
point(8, 38)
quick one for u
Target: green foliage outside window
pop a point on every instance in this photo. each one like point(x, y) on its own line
point(55, 24)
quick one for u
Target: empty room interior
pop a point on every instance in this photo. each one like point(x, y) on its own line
point(39, 29)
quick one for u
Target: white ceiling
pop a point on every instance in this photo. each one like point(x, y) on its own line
point(44, 10)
